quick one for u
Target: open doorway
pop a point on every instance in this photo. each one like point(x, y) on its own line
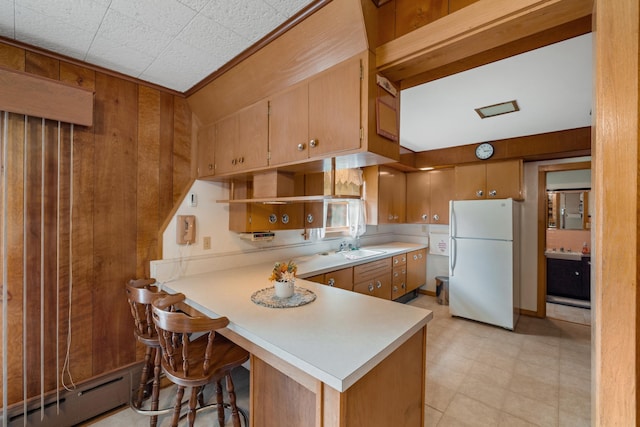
point(563, 231)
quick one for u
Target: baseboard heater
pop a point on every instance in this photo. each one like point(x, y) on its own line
point(88, 400)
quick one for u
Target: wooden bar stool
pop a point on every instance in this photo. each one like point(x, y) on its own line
point(194, 355)
point(140, 294)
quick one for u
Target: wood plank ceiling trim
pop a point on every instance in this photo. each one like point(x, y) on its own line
point(482, 26)
point(40, 97)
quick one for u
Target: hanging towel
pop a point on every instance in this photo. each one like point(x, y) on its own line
point(357, 220)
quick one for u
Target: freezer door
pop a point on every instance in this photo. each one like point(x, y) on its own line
point(482, 219)
point(481, 281)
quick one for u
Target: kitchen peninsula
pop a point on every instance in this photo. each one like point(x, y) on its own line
point(345, 359)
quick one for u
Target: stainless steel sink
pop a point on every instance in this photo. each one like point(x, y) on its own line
point(361, 253)
point(571, 256)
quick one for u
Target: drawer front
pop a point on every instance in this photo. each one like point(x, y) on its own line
point(378, 287)
point(372, 270)
point(399, 260)
point(317, 279)
point(398, 282)
point(342, 279)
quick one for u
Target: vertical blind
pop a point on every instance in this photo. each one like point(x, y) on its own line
point(37, 259)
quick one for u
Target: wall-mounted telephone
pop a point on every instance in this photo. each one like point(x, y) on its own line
point(186, 229)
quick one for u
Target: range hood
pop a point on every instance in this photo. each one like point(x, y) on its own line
point(279, 187)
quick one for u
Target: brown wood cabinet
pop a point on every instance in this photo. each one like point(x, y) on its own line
point(242, 140)
point(317, 117)
point(428, 195)
point(206, 147)
point(342, 278)
point(385, 195)
point(416, 269)
point(399, 276)
point(495, 180)
point(373, 278)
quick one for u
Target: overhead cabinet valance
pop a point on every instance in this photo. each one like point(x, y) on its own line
point(40, 97)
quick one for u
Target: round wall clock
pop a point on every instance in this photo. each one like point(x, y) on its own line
point(484, 151)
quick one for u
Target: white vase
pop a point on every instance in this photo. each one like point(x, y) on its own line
point(284, 289)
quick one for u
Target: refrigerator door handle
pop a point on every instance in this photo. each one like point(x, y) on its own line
point(452, 220)
point(452, 256)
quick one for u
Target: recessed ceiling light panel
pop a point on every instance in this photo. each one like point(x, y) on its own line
point(497, 109)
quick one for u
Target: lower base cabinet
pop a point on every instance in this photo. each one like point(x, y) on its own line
point(373, 278)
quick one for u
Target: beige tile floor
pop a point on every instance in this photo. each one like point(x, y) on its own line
point(479, 375)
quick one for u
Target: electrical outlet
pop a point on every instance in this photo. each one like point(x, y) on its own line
point(206, 242)
point(424, 228)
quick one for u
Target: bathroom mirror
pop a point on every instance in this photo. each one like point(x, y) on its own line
point(568, 210)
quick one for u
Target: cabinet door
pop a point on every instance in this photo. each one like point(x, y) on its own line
point(206, 145)
point(504, 180)
point(391, 196)
point(289, 126)
point(342, 278)
point(226, 140)
point(253, 136)
point(334, 110)
point(316, 279)
point(441, 192)
point(418, 197)
point(416, 269)
point(242, 140)
point(470, 182)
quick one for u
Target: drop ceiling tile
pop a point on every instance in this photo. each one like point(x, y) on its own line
point(85, 14)
point(288, 7)
point(250, 18)
point(181, 66)
point(51, 33)
point(205, 35)
point(133, 34)
point(168, 16)
point(111, 55)
point(196, 5)
point(7, 28)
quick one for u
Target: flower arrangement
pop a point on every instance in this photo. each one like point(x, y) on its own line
point(283, 271)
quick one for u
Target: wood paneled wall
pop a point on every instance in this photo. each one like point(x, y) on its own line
point(128, 171)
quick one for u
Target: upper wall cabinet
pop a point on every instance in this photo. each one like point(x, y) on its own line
point(385, 195)
point(428, 195)
point(495, 180)
point(241, 140)
point(318, 117)
point(206, 147)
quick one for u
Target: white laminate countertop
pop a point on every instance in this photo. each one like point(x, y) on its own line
point(336, 339)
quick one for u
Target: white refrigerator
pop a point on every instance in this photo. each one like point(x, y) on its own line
point(484, 261)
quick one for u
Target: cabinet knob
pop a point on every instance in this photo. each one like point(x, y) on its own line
point(241, 160)
point(424, 217)
point(390, 217)
point(210, 166)
point(479, 193)
point(577, 273)
point(285, 218)
point(420, 256)
point(395, 261)
point(403, 286)
point(404, 258)
point(378, 284)
point(436, 217)
point(331, 281)
point(415, 257)
point(395, 289)
point(395, 274)
point(493, 193)
point(370, 287)
point(310, 218)
point(313, 143)
point(301, 147)
point(273, 219)
point(234, 161)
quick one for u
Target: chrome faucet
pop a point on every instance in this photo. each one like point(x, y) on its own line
point(343, 246)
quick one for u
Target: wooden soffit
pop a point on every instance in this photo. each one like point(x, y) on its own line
point(477, 28)
point(37, 96)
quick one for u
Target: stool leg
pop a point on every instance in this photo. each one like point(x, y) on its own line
point(220, 403)
point(144, 376)
point(232, 401)
point(193, 402)
point(155, 393)
point(177, 407)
